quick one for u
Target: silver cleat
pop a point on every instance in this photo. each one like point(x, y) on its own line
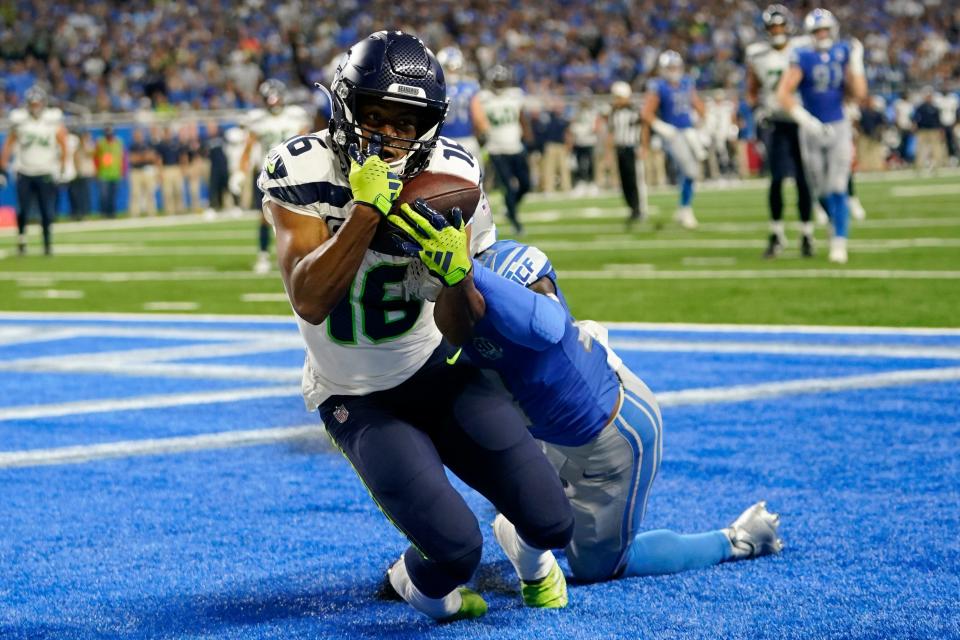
point(754, 533)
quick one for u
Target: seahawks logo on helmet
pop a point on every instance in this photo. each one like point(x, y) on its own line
point(394, 66)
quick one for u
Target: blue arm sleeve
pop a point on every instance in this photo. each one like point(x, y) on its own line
point(519, 314)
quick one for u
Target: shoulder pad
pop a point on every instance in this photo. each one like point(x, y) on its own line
point(52, 115)
point(653, 85)
point(303, 174)
point(524, 264)
point(452, 158)
point(18, 115)
point(757, 48)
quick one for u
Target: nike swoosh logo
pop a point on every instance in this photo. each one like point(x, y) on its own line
point(453, 359)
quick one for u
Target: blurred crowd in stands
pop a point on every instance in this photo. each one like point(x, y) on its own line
point(117, 56)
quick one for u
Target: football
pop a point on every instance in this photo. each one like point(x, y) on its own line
point(442, 191)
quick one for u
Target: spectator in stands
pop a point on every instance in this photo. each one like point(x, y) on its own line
point(143, 175)
point(110, 169)
point(931, 146)
point(171, 161)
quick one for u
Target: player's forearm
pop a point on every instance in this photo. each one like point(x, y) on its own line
point(458, 309)
point(319, 280)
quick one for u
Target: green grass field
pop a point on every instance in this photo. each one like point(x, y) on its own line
point(904, 267)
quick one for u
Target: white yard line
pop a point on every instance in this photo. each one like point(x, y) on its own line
point(834, 351)
point(744, 393)
point(150, 370)
point(925, 190)
point(766, 274)
point(858, 330)
point(138, 403)
point(156, 446)
point(687, 397)
point(137, 223)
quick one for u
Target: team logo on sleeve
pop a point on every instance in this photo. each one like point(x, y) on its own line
point(487, 349)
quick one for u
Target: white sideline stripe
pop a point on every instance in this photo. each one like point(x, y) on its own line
point(264, 297)
point(687, 397)
point(925, 190)
point(134, 250)
point(144, 402)
point(145, 276)
point(155, 446)
point(855, 351)
point(260, 336)
point(613, 244)
point(134, 224)
point(858, 330)
point(743, 393)
point(167, 318)
point(754, 274)
point(177, 370)
point(160, 305)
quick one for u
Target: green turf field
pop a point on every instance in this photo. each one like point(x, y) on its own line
point(904, 267)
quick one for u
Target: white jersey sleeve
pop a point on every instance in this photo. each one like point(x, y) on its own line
point(303, 175)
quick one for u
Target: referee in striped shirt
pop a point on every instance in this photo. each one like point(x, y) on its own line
point(625, 127)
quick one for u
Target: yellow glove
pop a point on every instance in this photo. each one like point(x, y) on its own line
point(441, 246)
point(371, 180)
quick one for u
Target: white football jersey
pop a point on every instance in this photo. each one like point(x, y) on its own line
point(271, 129)
point(374, 339)
point(36, 150)
point(769, 65)
point(503, 111)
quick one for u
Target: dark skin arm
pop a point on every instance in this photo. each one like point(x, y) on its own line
point(318, 267)
point(459, 308)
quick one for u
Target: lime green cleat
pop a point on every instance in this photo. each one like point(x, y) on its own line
point(548, 593)
point(472, 606)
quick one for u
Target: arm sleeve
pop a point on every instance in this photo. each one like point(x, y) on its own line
point(519, 314)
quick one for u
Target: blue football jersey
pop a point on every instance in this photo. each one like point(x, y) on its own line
point(560, 377)
point(823, 83)
point(676, 102)
point(459, 122)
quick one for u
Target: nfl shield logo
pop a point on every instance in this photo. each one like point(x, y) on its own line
point(341, 414)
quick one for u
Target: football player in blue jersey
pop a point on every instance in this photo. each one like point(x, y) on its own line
point(600, 423)
point(668, 110)
point(462, 93)
point(825, 74)
point(377, 367)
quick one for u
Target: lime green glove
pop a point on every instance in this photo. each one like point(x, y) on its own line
point(371, 180)
point(442, 246)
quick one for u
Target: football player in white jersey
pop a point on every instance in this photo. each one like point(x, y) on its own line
point(766, 62)
point(38, 142)
point(267, 128)
point(502, 127)
point(391, 392)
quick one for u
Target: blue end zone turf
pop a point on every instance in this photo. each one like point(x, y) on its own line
point(282, 541)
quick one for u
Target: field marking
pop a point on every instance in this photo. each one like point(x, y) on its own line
point(187, 220)
point(138, 403)
point(749, 392)
point(159, 305)
point(834, 351)
point(155, 446)
point(53, 294)
point(755, 274)
point(916, 191)
point(264, 297)
point(616, 244)
point(686, 397)
point(815, 329)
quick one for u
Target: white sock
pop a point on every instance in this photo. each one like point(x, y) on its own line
point(808, 228)
point(436, 608)
point(776, 227)
point(532, 564)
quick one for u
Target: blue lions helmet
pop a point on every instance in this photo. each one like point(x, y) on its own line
point(392, 66)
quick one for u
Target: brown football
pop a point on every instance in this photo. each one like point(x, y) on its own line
point(442, 191)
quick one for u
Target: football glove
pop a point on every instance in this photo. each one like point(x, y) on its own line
point(441, 246)
point(371, 180)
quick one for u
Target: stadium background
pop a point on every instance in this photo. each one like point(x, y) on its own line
point(158, 477)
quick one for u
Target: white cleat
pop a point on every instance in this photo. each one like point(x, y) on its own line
point(262, 265)
point(754, 533)
point(838, 250)
point(685, 217)
point(819, 215)
point(857, 212)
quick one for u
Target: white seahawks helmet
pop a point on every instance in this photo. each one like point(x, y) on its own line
point(777, 14)
point(670, 64)
point(818, 20)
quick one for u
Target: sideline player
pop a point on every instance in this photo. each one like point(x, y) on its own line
point(825, 73)
point(38, 140)
point(377, 367)
point(462, 92)
point(268, 128)
point(601, 423)
point(766, 62)
point(667, 110)
point(501, 126)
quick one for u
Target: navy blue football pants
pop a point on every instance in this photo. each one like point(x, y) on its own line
point(399, 441)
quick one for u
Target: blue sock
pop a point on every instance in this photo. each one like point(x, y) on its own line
point(840, 213)
point(686, 192)
point(264, 237)
point(660, 552)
